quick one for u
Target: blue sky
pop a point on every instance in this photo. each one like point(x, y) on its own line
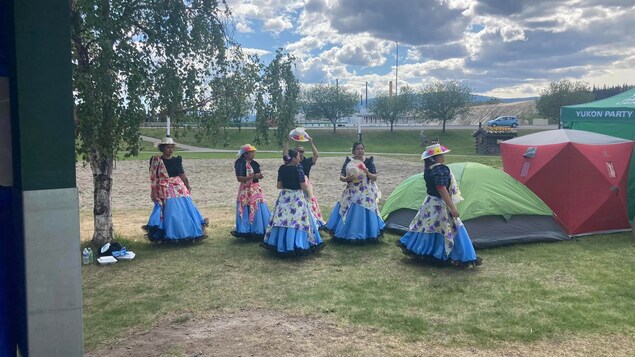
point(502, 48)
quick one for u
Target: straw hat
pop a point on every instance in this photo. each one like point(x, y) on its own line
point(299, 134)
point(166, 141)
point(434, 150)
point(246, 148)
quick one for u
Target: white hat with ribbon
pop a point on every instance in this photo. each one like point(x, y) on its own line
point(434, 150)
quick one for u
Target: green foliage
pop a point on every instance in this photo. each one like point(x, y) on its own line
point(561, 93)
point(606, 92)
point(233, 86)
point(328, 101)
point(277, 101)
point(392, 108)
point(133, 60)
point(445, 100)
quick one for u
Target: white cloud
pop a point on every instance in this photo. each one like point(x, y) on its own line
point(497, 46)
point(243, 27)
point(277, 24)
point(256, 51)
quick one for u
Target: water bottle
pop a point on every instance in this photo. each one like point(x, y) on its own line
point(85, 257)
point(90, 255)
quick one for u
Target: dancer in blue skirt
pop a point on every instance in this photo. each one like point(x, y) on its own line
point(293, 229)
point(436, 234)
point(252, 213)
point(174, 218)
point(355, 218)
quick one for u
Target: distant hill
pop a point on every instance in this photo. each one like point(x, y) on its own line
point(484, 98)
point(482, 113)
point(521, 107)
point(477, 98)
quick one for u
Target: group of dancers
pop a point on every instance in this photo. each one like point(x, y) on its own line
point(436, 234)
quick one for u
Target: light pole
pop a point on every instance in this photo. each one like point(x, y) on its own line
point(337, 100)
point(397, 69)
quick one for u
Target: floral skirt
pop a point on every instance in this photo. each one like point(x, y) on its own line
point(177, 220)
point(257, 228)
point(293, 229)
point(361, 225)
point(286, 241)
point(430, 248)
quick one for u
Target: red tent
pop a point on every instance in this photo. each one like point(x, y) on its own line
point(581, 176)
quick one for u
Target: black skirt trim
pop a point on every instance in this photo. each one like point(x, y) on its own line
point(248, 236)
point(157, 235)
point(432, 260)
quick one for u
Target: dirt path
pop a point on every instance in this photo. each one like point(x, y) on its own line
point(275, 334)
point(214, 183)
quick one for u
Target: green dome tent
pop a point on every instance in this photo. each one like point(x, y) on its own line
point(496, 210)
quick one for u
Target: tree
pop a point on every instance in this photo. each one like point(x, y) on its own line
point(328, 101)
point(277, 101)
point(392, 108)
point(561, 93)
point(133, 59)
point(234, 85)
point(445, 100)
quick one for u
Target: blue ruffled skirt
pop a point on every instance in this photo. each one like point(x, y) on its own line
point(361, 225)
point(430, 247)
point(181, 221)
point(287, 241)
point(255, 229)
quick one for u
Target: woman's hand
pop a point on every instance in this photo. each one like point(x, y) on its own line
point(454, 212)
point(258, 176)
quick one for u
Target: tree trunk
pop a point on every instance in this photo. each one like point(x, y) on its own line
point(443, 131)
point(391, 123)
point(334, 125)
point(102, 214)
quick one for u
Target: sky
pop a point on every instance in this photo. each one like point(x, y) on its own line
point(500, 48)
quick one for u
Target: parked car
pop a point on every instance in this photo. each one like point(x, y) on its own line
point(508, 120)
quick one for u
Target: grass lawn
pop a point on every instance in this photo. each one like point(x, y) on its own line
point(401, 144)
point(397, 142)
point(520, 294)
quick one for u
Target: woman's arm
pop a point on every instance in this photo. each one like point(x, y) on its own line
point(445, 195)
point(285, 146)
point(245, 178)
point(371, 176)
point(304, 187)
point(370, 169)
point(316, 153)
point(185, 181)
point(348, 178)
point(279, 185)
point(257, 172)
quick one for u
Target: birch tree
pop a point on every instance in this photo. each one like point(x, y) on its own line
point(138, 59)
